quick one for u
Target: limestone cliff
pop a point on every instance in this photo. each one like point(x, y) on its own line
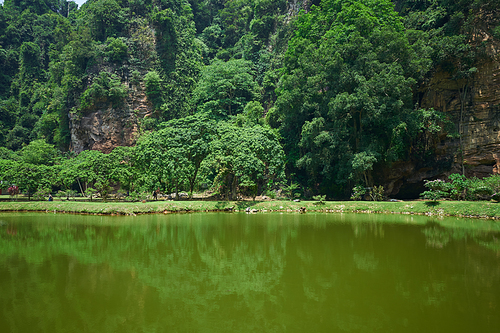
point(106, 126)
point(474, 106)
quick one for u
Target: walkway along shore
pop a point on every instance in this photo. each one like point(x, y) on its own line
point(469, 209)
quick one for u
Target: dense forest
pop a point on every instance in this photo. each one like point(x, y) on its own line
point(244, 97)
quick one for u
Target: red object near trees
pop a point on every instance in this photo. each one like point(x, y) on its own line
point(13, 190)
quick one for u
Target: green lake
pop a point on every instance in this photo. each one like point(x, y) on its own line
point(223, 272)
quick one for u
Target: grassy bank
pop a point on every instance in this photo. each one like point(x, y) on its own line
point(479, 209)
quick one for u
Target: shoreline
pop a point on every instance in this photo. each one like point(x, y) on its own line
point(465, 209)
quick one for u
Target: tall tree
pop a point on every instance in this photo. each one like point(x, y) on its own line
point(226, 87)
point(346, 94)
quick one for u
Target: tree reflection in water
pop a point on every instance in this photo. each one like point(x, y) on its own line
point(238, 272)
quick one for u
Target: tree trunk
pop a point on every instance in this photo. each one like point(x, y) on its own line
point(463, 96)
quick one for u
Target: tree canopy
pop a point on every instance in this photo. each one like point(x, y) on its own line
point(243, 96)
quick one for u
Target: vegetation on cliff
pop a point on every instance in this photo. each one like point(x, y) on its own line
point(248, 96)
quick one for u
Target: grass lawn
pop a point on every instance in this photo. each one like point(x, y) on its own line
point(479, 209)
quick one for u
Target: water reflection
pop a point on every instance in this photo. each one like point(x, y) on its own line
point(238, 272)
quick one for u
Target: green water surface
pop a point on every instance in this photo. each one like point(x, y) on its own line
point(222, 272)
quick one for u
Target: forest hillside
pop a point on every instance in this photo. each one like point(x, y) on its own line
point(247, 97)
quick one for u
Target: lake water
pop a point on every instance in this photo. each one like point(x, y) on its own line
point(222, 272)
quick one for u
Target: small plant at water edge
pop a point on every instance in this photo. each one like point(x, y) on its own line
point(320, 199)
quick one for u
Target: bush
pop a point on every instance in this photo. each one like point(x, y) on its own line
point(438, 189)
point(459, 184)
point(478, 190)
point(41, 194)
point(358, 192)
point(377, 193)
point(460, 188)
point(271, 194)
point(434, 195)
point(116, 50)
point(136, 196)
point(320, 199)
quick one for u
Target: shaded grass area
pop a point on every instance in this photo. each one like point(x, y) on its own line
point(478, 209)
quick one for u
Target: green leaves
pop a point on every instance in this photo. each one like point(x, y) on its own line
point(153, 83)
point(107, 86)
point(347, 89)
point(173, 155)
point(116, 49)
point(225, 88)
point(244, 160)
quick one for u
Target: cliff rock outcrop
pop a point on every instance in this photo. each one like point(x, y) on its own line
point(474, 106)
point(106, 127)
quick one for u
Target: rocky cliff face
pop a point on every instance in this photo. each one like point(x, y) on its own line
point(474, 106)
point(106, 127)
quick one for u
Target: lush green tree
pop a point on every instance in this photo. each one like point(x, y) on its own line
point(28, 177)
point(226, 87)
point(93, 169)
point(173, 155)
point(345, 97)
point(244, 160)
point(125, 170)
point(38, 152)
point(105, 18)
point(116, 49)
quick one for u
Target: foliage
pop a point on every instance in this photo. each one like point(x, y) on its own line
point(320, 199)
point(341, 83)
point(377, 193)
point(106, 87)
point(245, 160)
point(116, 49)
point(358, 192)
point(225, 88)
point(438, 189)
point(456, 188)
point(153, 83)
point(347, 90)
point(174, 154)
point(291, 190)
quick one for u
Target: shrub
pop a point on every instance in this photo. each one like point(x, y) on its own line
point(377, 193)
point(478, 190)
point(434, 195)
point(493, 183)
point(358, 192)
point(459, 188)
point(320, 199)
point(41, 194)
point(271, 194)
point(116, 50)
point(459, 184)
point(438, 189)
